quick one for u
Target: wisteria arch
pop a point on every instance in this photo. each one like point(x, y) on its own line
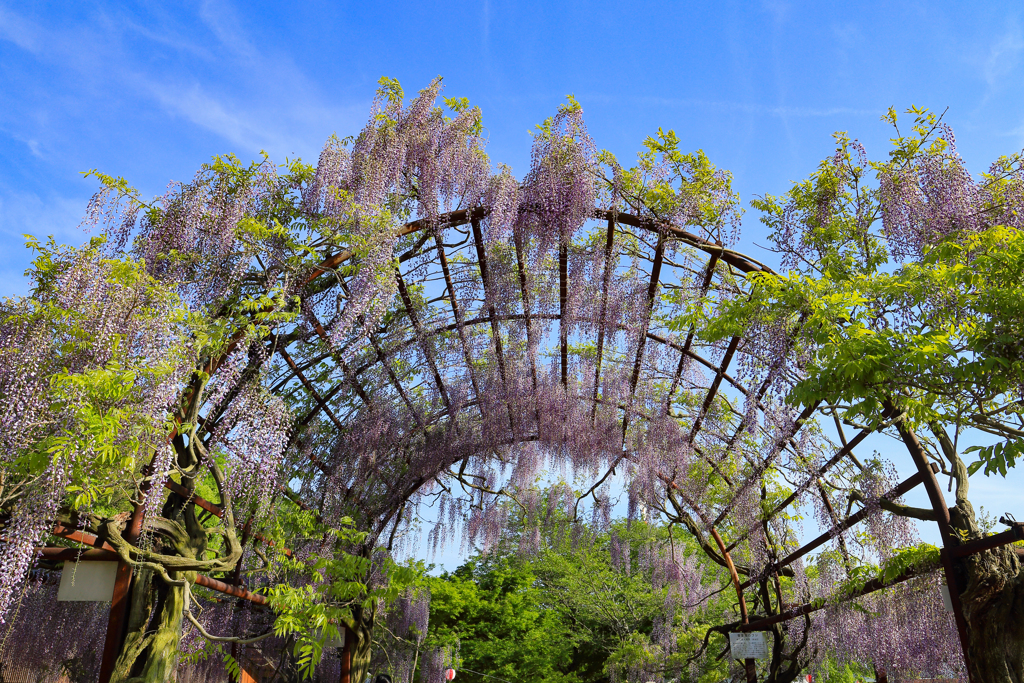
point(413, 325)
point(719, 272)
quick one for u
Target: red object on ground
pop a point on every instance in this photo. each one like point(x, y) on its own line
point(449, 674)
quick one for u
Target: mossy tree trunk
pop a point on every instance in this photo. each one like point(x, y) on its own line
point(992, 595)
point(362, 647)
point(150, 653)
point(150, 650)
point(990, 585)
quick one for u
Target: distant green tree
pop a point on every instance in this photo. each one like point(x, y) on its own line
point(586, 607)
point(495, 610)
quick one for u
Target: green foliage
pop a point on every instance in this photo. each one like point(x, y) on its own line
point(493, 608)
point(318, 595)
point(830, 671)
point(669, 184)
point(566, 613)
point(920, 558)
point(938, 336)
point(99, 433)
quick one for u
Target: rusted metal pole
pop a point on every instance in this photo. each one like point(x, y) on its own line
point(228, 589)
point(871, 586)
point(77, 555)
point(346, 656)
point(118, 620)
point(850, 521)
point(1014, 533)
point(236, 576)
point(749, 664)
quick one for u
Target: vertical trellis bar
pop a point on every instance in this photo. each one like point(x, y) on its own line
point(652, 292)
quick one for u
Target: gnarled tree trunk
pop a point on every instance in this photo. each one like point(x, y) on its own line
point(149, 653)
point(991, 588)
point(362, 648)
point(150, 650)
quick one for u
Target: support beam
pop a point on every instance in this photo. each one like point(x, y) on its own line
point(410, 311)
point(312, 390)
point(94, 555)
point(843, 452)
point(739, 261)
point(762, 466)
point(838, 529)
point(349, 375)
point(492, 313)
point(457, 312)
point(563, 295)
point(606, 280)
point(353, 377)
point(815, 605)
point(117, 621)
point(77, 555)
point(713, 389)
point(749, 664)
point(709, 273)
point(228, 589)
point(652, 293)
point(1011, 535)
point(525, 291)
point(528, 318)
point(920, 458)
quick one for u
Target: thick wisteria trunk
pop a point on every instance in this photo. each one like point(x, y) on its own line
point(150, 650)
point(362, 648)
point(789, 659)
point(149, 653)
point(992, 595)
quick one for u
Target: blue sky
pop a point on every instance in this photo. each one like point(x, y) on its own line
point(150, 93)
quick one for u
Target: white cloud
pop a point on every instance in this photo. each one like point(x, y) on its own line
point(24, 213)
point(1003, 56)
point(219, 81)
point(29, 214)
point(19, 31)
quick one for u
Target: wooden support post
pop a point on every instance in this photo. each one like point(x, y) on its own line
point(750, 665)
point(117, 622)
point(346, 656)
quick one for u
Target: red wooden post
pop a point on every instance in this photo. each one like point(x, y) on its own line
point(236, 579)
point(120, 602)
point(116, 620)
point(346, 656)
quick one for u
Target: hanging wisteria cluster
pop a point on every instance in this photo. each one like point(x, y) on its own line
point(73, 643)
point(933, 196)
point(903, 631)
point(92, 362)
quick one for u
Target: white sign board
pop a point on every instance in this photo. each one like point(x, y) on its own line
point(87, 582)
point(947, 602)
point(753, 645)
point(339, 641)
